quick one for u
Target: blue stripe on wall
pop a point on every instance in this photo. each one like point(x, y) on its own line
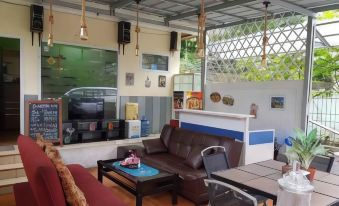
point(213, 131)
point(261, 137)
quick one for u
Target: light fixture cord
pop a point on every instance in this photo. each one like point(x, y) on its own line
point(83, 16)
point(137, 29)
point(265, 38)
point(51, 18)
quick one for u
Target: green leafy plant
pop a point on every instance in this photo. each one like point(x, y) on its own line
point(306, 147)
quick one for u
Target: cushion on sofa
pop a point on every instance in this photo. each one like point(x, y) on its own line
point(153, 146)
point(194, 158)
point(74, 195)
point(95, 193)
point(166, 134)
point(41, 173)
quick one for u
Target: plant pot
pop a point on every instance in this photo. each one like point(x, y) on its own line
point(286, 168)
point(312, 171)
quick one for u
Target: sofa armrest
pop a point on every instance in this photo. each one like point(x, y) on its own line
point(153, 146)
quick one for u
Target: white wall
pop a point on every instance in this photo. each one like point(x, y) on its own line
point(246, 93)
point(14, 21)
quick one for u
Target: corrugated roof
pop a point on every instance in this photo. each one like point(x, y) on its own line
point(183, 13)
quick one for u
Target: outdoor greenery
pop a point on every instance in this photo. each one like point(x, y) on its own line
point(283, 66)
point(306, 147)
point(189, 63)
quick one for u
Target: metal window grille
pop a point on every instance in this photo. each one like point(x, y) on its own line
point(234, 52)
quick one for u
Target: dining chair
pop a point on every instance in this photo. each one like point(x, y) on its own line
point(223, 194)
point(335, 203)
point(322, 163)
point(215, 159)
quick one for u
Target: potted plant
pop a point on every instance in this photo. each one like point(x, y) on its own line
point(305, 148)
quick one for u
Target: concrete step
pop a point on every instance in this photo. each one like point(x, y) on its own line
point(10, 156)
point(12, 181)
point(9, 171)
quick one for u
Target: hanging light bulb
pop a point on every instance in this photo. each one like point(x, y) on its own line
point(265, 38)
point(83, 26)
point(201, 31)
point(51, 22)
point(137, 30)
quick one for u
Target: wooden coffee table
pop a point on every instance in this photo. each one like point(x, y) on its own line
point(139, 186)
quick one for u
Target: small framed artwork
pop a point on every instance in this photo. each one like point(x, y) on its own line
point(129, 79)
point(162, 81)
point(277, 102)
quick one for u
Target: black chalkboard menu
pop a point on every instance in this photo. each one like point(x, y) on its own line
point(44, 118)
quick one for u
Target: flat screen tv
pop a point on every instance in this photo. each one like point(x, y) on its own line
point(86, 108)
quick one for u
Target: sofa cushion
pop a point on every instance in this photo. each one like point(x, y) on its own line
point(95, 193)
point(180, 143)
point(153, 146)
point(23, 195)
point(173, 164)
point(166, 134)
point(74, 195)
point(194, 158)
point(41, 174)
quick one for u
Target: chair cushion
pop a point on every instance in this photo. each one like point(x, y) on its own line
point(41, 173)
point(92, 188)
point(153, 146)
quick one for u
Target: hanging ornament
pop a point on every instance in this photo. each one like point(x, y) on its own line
point(51, 22)
point(201, 30)
point(265, 38)
point(137, 30)
point(83, 25)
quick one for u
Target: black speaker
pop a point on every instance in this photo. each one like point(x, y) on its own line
point(37, 18)
point(174, 41)
point(124, 32)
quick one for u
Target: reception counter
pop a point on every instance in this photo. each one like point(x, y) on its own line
point(258, 144)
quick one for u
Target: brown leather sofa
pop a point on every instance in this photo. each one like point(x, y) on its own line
point(178, 151)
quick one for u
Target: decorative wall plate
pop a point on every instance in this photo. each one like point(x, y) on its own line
point(215, 97)
point(228, 100)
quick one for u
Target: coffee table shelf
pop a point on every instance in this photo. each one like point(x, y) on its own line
point(139, 186)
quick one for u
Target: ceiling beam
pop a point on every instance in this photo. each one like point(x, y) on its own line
point(208, 9)
point(293, 7)
point(121, 3)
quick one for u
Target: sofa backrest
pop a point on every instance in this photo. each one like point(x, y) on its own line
point(182, 141)
point(41, 173)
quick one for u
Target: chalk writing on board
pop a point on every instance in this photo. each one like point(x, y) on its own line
point(44, 120)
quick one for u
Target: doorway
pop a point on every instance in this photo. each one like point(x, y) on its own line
point(9, 90)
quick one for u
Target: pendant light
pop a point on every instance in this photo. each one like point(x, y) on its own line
point(201, 30)
point(137, 30)
point(83, 26)
point(265, 38)
point(51, 22)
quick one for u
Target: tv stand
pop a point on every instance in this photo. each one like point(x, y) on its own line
point(83, 134)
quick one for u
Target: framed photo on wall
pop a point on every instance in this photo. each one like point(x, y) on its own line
point(277, 102)
point(129, 79)
point(162, 81)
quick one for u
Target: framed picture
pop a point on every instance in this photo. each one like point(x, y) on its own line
point(129, 79)
point(277, 102)
point(162, 81)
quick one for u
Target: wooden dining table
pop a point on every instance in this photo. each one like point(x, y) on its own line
point(262, 178)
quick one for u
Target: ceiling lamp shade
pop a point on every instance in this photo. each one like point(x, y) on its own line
point(201, 31)
point(137, 30)
point(83, 25)
point(51, 22)
point(265, 38)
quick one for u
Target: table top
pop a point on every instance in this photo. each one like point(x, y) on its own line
point(262, 177)
point(108, 165)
